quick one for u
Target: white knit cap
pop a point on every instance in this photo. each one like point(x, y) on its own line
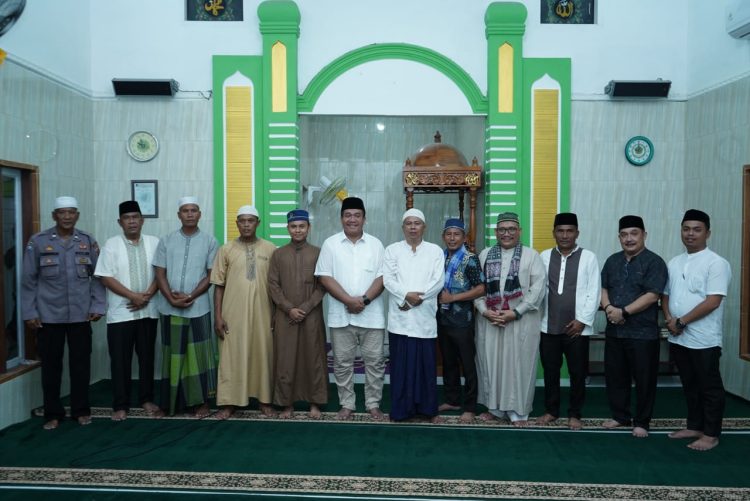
point(187, 200)
point(248, 210)
point(413, 213)
point(66, 202)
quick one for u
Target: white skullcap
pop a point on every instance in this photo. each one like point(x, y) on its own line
point(413, 213)
point(66, 202)
point(187, 200)
point(248, 210)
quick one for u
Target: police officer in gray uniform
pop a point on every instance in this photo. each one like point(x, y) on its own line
point(59, 298)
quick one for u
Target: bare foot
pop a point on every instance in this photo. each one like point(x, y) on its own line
point(437, 420)
point(704, 443)
point(344, 414)
point(267, 410)
point(639, 432)
point(120, 415)
point(202, 411)
point(287, 412)
point(315, 412)
point(467, 417)
point(225, 412)
point(686, 434)
point(611, 424)
point(51, 424)
point(376, 414)
point(84, 420)
point(545, 419)
point(153, 410)
point(486, 416)
point(448, 407)
point(521, 423)
point(575, 423)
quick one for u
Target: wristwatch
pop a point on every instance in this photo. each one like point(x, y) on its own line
point(678, 323)
point(625, 313)
point(366, 300)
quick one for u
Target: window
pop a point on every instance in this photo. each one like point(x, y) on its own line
point(745, 267)
point(18, 212)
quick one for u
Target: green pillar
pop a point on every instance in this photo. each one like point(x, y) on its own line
point(505, 178)
point(279, 27)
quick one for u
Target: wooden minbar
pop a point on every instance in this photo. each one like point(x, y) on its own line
point(441, 168)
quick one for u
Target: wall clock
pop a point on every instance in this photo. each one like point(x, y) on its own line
point(639, 150)
point(142, 146)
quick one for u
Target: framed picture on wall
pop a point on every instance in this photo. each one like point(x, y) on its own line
point(146, 193)
point(213, 10)
point(567, 11)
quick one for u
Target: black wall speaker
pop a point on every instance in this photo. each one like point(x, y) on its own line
point(638, 89)
point(133, 87)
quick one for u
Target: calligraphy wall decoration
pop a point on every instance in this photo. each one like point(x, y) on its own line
point(567, 11)
point(213, 10)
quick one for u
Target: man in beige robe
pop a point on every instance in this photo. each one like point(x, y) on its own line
point(508, 324)
point(300, 368)
point(242, 318)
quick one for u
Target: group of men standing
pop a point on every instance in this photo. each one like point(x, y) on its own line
point(269, 341)
point(633, 282)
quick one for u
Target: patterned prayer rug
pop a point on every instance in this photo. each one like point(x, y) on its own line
point(360, 486)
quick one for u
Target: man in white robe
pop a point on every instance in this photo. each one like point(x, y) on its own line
point(413, 274)
point(508, 324)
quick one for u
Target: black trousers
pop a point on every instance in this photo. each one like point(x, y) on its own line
point(122, 338)
point(703, 387)
point(552, 347)
point(51, 340)
point(458, 350)
point(626, 360)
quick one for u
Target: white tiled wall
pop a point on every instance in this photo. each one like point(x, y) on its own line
point(700, 146)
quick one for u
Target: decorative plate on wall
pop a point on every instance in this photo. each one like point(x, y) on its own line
point(639, 150)
point(142, 146)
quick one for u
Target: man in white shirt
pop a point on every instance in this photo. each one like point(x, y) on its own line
point(125, 269)
point(570, 306)
point(693, 306)
point(350, 267)
point(413, 274)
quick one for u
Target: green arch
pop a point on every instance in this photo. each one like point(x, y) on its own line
point(375, 52)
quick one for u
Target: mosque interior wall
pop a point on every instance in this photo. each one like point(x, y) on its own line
point(78, 143)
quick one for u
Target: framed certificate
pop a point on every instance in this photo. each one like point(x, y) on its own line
point(146, 193)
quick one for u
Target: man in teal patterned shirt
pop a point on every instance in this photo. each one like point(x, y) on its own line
point(464, 281)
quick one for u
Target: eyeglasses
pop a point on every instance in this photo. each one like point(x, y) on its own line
point(507, 231)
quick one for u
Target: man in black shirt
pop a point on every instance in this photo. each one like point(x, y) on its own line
point(632, 281)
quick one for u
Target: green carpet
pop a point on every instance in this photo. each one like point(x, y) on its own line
point(670, 402)
point(334, 459)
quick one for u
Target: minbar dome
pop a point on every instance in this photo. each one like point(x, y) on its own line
point(437, 154)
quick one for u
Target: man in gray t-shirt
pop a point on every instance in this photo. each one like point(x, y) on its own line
point(182, 266)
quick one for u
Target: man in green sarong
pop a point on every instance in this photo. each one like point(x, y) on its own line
point(182, 266)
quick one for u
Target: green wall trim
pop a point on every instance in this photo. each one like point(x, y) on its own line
point(407, 52)
point(224, 67)
point(279, 16)
point(559, 69)
point(505, 18)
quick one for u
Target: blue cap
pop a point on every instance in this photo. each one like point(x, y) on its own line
point(454, 223)
point(297, 215)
